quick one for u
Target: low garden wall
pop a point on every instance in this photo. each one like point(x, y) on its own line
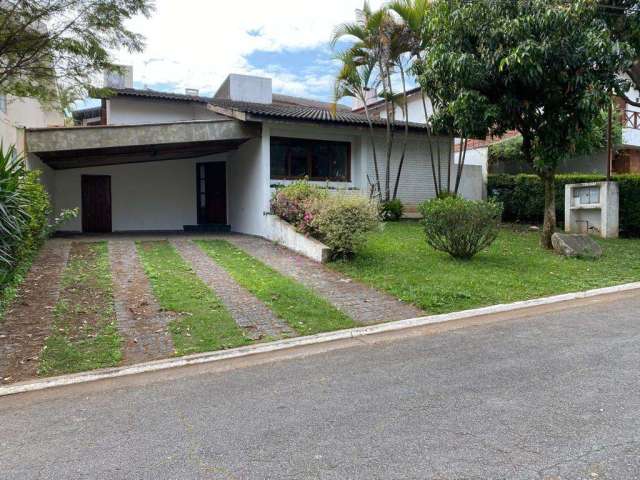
point(523, 197)
point(285, 234)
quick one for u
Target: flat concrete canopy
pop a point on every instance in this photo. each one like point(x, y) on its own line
point(75, 147)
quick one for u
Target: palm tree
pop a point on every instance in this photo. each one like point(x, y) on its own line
point(355, 81)
point(414, 16)
point(372, 45)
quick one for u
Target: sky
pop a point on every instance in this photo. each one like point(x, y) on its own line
point(197, 43)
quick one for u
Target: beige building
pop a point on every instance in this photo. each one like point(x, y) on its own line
point(16, 114)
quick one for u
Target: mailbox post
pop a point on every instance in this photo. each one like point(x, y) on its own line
point(592, 208)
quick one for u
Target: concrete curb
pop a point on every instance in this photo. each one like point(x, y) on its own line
point(200, 358)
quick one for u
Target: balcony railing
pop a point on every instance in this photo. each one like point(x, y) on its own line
point(632, 119)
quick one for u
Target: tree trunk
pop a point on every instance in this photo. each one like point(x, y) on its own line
point(549, 226)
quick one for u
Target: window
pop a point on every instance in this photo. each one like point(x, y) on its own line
point(317, 159)
point(3, 103)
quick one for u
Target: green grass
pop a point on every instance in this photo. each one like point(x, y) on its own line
point(204, 323)
point(302, 309)
point(10, 281)
point(514, 268)
point(84, 334)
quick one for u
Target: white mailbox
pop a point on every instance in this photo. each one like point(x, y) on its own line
point(592, 208)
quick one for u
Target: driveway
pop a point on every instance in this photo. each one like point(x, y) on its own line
point(554, 396)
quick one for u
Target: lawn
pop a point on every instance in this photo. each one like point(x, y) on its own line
point(398, 260)
point(303, 310)
point(84, 334)
point(203, 323)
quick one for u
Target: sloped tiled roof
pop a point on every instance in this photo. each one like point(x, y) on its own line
point(278, 98)
point(284, 107)
point(258, 111)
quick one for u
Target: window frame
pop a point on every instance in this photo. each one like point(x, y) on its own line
point(308, 143)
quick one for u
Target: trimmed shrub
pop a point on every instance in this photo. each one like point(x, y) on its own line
point(341, 221)
point(460, 227)
point(391, 211)
point(523, 197)
point(290, 202)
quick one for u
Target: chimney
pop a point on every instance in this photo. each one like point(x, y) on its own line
point(121, 79)
point(370, 97)
point(246, 88)
point(193, 92)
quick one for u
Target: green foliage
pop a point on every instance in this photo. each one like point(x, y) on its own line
point(301, 308)
point(391, 211)
point(397, 260)
point(508, 152)
point(290, 202)
point(341, 221)
point(24, 210)
point(460, 227)
point(52, 50)
point(522, 197)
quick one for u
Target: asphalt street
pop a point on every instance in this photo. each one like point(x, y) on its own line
point(552, 396)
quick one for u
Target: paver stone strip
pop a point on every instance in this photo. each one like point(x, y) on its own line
point(249, 313)
point(27, 322)
point(362, 303)
point(140, 320)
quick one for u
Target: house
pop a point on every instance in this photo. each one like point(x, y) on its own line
point(156, 161)
point(476, 153)
point(17, 113)
point(628, 153)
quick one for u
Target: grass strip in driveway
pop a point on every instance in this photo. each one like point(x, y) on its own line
point(301, 308)
point(84, 334)
point(204, 324)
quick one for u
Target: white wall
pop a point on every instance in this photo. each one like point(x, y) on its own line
point(248, 174)
point(25, 112)
point(132, 111)
point(415, 110)
point(144, 196)
point(416, 179)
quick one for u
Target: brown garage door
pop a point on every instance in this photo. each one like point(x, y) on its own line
point(96, 203)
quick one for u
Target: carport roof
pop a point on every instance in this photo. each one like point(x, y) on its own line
point(73, 147)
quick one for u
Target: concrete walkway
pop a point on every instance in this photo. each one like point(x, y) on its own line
point(140, 320)
point(249, 313)
point(363, 304)
point(27, 323)
point(549, 397)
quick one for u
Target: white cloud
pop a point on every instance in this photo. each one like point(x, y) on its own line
point(196, 43)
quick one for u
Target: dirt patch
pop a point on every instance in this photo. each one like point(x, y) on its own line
point(27, 322)
point(141, 322)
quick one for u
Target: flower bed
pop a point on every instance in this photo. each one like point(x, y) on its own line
point(339, 221)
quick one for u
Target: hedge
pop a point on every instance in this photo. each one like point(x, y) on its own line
point(523, 197)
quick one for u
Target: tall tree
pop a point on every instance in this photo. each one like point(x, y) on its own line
point(542, 67)
point(46, 45)
point(356, 81)
point(377, 40)
point(622, 17)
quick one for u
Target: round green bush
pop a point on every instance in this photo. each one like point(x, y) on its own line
point(460, 227)
point(341, 221)
point(391, 211)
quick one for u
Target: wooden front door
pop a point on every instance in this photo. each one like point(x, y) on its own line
point(212, 193)
point(96, 203)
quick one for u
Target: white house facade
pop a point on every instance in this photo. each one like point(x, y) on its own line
point(155, 161)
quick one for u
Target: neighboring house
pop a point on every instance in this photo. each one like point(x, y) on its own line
point(17, 113)
point(628, 154)
point(157, 161)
